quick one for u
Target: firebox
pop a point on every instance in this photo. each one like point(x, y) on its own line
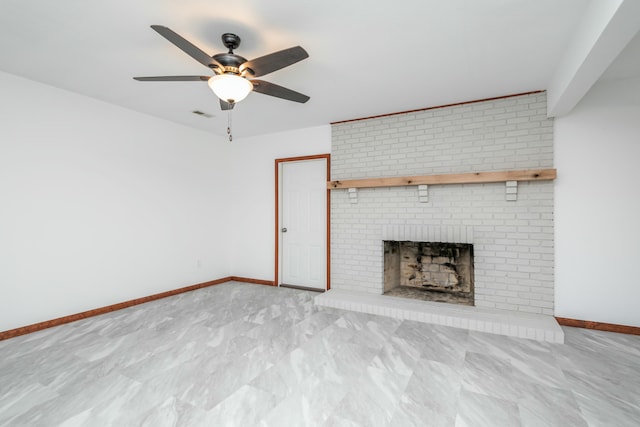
point(429, 271)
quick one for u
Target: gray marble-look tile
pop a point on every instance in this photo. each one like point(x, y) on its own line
point(373, 398)
point(602, 403)
point(22, 398)
point(434, 342)
point(272, 327)
point(38, 341)
point(369, 330)
point(599, 340)
point(384, 387)
point(410, 414)
point(549, 406)
point(127, 321)
point(247, 406)
point(279, 381)
point(483, 374)
point(431, 396)
point(114, 389)
point(163, 361)
point(336, 420)
point(207, 389)
point(240, 354)
point(335, 336)
point(350, 361)
point(610, 369)
point(302, 361)
point(291, 412)
point(504, 347)
point(173, 412)
point(41, 366)
point(127, 405)
point(538, 368)
point(357, 409)
point(221, 336)
point(479, 410)
point(315, 401)
point(99, 347)
point(310, 327)
point(531, 360)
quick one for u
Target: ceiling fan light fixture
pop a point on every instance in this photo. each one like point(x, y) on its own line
point(230, 88)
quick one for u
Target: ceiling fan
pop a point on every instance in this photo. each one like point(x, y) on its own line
point(234, 75)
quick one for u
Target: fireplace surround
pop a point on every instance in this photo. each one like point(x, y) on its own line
point(512, 238)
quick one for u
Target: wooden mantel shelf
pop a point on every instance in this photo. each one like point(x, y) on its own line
point(452, 178)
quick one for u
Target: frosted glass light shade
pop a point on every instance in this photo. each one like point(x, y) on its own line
point(230, 88)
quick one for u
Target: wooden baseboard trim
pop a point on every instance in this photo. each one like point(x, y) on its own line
point(102, 310)
point(254, 281)
point(599, 326)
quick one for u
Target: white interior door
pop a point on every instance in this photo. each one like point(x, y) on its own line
point(303, 223)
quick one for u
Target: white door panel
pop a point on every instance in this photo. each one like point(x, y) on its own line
point(304, 198)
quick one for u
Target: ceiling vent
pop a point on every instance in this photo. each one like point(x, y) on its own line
point(203, 114)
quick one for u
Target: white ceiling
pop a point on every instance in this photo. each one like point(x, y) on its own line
point(366, 58)
point(627, 64)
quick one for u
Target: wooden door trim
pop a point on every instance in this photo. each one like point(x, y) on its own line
point(327, 157)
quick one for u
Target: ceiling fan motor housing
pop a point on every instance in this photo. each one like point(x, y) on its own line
point(230, 61)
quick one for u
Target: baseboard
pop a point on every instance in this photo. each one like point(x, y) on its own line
point(11, 333)
point(255, 281)
point(599, 326)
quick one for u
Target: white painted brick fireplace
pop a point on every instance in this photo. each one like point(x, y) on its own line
point(513, 239)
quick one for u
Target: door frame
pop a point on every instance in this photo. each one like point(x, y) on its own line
point(327, 157)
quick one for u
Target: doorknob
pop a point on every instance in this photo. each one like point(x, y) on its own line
point(284, 229)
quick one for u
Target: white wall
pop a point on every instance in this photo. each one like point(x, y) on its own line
point(252, 201)
point(99, 204)
point(597, 153)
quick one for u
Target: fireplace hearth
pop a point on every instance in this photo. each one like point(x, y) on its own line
point(429, 271)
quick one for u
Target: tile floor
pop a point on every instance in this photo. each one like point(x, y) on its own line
point(249, 355)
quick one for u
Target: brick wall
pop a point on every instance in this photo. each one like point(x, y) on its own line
point(513, 240)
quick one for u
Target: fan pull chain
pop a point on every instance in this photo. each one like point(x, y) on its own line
point(229, 125)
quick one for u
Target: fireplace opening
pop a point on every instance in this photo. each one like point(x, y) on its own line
point(429, 271)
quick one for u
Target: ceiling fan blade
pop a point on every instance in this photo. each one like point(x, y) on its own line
point(187, 47)
point(272, 89)
point(173, 79)
point(274, 61)
point(224, 105)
